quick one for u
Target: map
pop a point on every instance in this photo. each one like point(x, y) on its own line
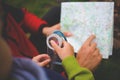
point(83, 19)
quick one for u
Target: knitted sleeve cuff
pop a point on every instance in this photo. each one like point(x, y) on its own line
point(41, 29)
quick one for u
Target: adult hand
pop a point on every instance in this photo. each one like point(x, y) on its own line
point(42, 60)
point(88, 55)
point(48, 30)
point(65, 51)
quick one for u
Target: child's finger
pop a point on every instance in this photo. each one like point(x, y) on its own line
point(45, 62)
point(55, 46)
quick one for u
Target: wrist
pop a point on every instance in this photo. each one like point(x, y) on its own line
point(45, 31)
point(41, 29)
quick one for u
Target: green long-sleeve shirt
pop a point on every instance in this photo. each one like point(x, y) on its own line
point(74, 71)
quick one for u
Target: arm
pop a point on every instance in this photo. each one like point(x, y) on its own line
point(32, 22)
point(35, 24)
point(74, 71)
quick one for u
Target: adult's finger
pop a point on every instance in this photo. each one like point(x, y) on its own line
point(93, 46)
point(96, 53)
point(89, 40)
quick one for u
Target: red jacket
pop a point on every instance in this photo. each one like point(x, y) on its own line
point(17, 22)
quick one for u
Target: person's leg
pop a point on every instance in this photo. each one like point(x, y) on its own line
point(52, 17)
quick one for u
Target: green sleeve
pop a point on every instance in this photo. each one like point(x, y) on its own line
point(74, 71)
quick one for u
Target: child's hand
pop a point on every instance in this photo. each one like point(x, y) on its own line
point(42, 59)
point(65, 51)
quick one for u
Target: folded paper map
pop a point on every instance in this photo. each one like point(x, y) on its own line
point(83, 19)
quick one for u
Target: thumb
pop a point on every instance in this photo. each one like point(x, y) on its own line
point(55, 46)
point(57, 26)
point(44, 63)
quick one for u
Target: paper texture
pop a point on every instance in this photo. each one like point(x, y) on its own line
point(85, 18)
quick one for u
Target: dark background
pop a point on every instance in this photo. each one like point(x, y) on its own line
point(38, 7)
